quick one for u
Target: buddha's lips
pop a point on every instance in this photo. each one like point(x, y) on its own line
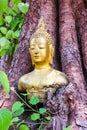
point(36, 56)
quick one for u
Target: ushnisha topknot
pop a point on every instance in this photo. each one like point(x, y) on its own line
point(41, 31)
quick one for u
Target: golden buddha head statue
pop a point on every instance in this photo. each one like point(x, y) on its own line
point(41, 46)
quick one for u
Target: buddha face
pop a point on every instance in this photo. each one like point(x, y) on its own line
point(40, 51)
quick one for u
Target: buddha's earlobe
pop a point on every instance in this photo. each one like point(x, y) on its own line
point(51, 54)
point(31, 57)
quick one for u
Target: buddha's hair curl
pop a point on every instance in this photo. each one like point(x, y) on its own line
point(42, 32)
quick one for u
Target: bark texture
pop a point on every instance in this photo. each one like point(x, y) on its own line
point(70, 56)
point(71, 62)
point(81, 23)
point(68, 107)
point(5, 63)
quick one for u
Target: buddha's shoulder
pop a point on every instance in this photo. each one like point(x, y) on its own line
point(26, 76)
point(60, 76)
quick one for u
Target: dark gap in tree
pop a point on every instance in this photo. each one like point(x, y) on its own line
point(85, 3)
point(57, 38)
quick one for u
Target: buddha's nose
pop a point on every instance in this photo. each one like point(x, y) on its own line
point(36, 50)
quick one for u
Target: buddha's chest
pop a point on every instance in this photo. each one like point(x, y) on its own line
point(39, 82)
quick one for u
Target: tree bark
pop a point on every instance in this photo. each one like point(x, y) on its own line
point(70, 56)
point(71, 61)
point(81, 20)
point(68, 106)
point(5, 63)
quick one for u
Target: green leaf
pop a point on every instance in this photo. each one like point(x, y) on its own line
point(42, 110)
point(14, 23)
point(34, 100)
point(5, 119)
point(16, 106)
point(15, 119)
point(23, 127)
point(11, 49)
point(14, 49)
point(35, 116)
point(1, 20)
point(4, 45)
point(20, 25)
point(3, 5)
point(8, 19)
point(4, 42)
point(9, 11)
point(0, 35)
point(9, 34)
point(16, 9)
point(4, 82)
point(24, 94)
point(16, 34)
point(23, 7)
point(3, 30)
point(19, 112)
point(16, 1)
point(48, 118)
point(67, 128)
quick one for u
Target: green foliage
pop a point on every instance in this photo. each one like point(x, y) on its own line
point(16, 1)
point(35, 116)
point(3, 5)
point(4, 45)
point(14, 119)
point(23, 7)
point(11, 20)
point(42, 110)
point(3, 30)
point(19, 112)
point(9, 34)
point(48, 118)
point(5, 119)
point(16, 106)
point(9, 118)
point(8, 18)
point(1, 20)
point(23, 127)
point(41, 114)
point(67, 128)
point(4, 82)
point(34, 100)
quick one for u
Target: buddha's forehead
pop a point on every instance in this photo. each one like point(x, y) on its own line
point(38, 40)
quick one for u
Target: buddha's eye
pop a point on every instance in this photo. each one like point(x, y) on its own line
point(32, 48)
point(41, 47)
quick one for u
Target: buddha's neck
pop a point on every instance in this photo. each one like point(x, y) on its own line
point(44, 67)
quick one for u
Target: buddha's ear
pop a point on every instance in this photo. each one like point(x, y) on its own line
point(51, 53)
point(31, 57)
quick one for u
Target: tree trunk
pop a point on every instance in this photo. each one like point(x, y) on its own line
point(70, 56)
point(71, 61)
point(5, 63)
point(81, 20)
